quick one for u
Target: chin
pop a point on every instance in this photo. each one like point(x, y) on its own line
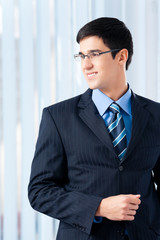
point(92, 87)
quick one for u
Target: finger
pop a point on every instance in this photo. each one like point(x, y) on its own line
point(138, 195)
point(129, 218)
point(135, 200)
point(133, 206)
point(131, 213)
point(134, 195)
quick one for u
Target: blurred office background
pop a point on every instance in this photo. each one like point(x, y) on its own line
point(37, 43)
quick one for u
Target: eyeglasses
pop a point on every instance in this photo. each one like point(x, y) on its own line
point(92, 55)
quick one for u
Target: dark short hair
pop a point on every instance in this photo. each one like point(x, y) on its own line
point(114, 33)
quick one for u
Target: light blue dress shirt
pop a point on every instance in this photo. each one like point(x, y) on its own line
point(103, 102)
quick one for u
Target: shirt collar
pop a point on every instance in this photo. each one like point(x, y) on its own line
point(102, 101)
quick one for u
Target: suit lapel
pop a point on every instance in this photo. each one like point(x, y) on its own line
point(90, 116)
point(140, 118)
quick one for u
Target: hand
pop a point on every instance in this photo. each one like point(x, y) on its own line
point(120, 207)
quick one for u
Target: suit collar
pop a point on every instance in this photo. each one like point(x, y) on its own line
point(85, 99)
point(102, 101)
point(90, 116)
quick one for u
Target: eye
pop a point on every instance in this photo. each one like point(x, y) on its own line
point(94, 54)
point(82, 56)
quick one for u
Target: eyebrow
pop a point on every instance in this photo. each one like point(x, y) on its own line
point(90, 51)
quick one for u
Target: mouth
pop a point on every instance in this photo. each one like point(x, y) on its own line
point(91, 75)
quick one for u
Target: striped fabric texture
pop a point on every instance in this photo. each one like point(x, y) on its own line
point(75, 166)
point(117, 132)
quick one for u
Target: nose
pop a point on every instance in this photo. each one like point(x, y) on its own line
point(86, 63)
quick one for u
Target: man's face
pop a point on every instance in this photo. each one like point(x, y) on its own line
point(101, 71)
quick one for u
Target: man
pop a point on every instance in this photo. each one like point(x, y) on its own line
point(97, 161)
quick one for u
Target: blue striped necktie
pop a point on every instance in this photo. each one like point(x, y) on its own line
point(117, 131)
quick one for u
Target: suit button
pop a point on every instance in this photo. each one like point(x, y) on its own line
point(74, 225)
point(120, 232)
point(121, 168)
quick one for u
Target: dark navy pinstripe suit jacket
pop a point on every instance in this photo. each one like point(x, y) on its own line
point(75, 166)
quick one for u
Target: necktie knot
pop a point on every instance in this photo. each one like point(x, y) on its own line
point(114, 108)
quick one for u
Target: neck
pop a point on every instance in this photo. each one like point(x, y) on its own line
point(117, 93)
point(118, 88)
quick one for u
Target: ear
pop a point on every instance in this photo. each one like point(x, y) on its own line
point(123, 56)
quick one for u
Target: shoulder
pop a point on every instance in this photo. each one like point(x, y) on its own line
point(147, 101)
point(61, 111)
point(152, 106)
point(70, 105)
point(65, 104)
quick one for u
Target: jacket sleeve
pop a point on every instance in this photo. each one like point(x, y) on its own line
point(46, 190)
point(156, 171)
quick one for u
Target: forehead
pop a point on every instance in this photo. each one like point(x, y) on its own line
point(91, 43)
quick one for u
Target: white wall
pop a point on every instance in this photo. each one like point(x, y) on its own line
point(37, 43)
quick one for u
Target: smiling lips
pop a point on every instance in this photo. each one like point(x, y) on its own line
point(91, 75)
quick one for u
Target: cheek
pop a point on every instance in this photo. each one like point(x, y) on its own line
point(104, 71)
point(108, 68)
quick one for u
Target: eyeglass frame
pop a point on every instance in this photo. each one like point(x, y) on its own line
point(82, 56)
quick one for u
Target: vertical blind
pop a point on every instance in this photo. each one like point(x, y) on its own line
point(37, 69)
